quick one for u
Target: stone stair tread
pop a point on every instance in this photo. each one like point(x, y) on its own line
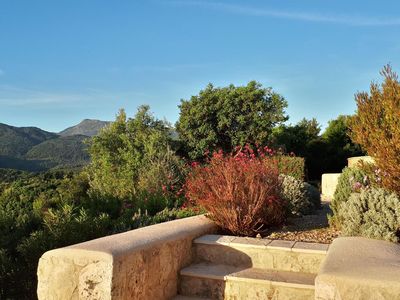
point(207, 270)
point(224, 272)
point(256, 243)
point(180, 297)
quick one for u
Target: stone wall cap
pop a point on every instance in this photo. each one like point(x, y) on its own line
point(133, 240)
point(257, 243)
point(361, 261)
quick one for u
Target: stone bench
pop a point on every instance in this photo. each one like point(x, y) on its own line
point(359, 268)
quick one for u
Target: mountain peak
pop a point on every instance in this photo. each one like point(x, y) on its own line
point(88, 127)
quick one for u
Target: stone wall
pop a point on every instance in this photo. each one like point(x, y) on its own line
point(138, 264)
point(354, 161)
point(328, 185)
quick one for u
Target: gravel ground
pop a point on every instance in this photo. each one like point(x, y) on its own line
point(310, 228)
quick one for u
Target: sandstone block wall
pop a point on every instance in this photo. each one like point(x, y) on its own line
point(354, 161)
point(138, 264)
point(328, 184)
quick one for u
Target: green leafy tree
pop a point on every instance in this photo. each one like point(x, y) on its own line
point(120, 151)
point(340, 146)
point(222, 118)
point(295, 138)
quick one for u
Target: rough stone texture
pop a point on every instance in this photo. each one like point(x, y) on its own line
point(74, 275)
point(227, 282)
point(359, 269)
point(354, 161)
point(268, 258)
point(138, 264)
point(202, 287)
point(235, 290)
point(328, 185)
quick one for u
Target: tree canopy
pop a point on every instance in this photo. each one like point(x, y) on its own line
point(295, 138)
point(222, 118)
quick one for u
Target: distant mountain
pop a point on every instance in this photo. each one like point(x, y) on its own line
point(17, 141)
point(34, 149)
point(86, 127)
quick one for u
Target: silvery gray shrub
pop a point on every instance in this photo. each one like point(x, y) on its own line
point(373, 213)
point(302, 198)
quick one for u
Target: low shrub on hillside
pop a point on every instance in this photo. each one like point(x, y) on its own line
point(45, 211)
point(373, 213)
point(240, 191)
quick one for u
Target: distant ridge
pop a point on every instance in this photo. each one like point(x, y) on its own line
point(17, 141)
point(34, 149)
point(87, 127)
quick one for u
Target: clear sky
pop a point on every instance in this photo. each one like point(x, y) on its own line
point(63, 61)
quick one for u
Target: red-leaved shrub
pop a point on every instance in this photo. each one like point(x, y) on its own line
point(240, 191)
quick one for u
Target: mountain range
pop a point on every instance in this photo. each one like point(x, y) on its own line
point(34, 149)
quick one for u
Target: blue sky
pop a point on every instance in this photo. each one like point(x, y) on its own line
point(63, 61)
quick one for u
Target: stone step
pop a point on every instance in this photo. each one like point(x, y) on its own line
point(228, 282)
point(180, 297)
point(260, 253)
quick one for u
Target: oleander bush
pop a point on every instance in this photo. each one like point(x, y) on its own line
point(351, 180)
point(240, 191)
point(373, 213)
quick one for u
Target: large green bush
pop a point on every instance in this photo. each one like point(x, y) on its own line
point(351, 180)
point(373, 213)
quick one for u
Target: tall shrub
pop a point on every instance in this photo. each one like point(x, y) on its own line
point(241, 192)
point(121, 150)
point(376, 126)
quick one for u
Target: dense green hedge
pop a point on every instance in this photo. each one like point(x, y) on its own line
point(291, 165)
